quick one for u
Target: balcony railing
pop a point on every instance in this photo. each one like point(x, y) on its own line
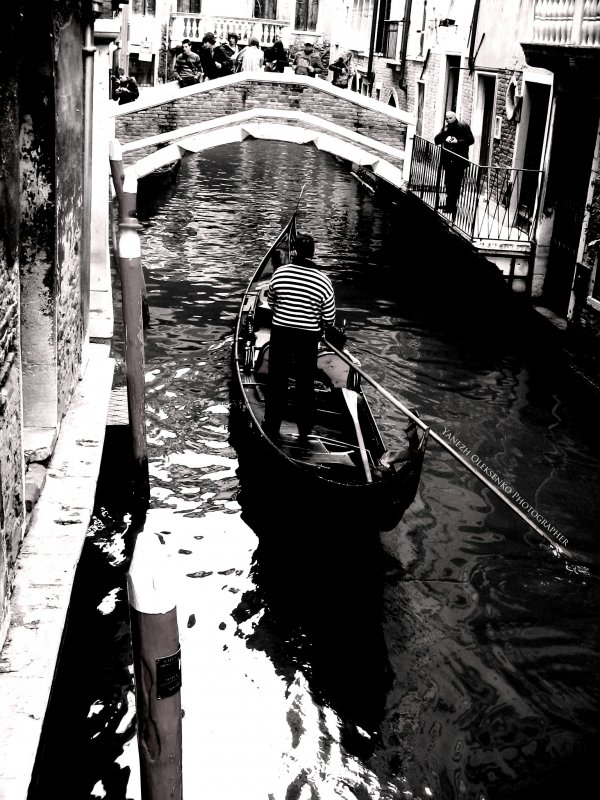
point(573, 23)
point(498, 203)
point(194, 26)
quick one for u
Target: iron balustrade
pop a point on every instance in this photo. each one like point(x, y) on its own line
point(498, 203)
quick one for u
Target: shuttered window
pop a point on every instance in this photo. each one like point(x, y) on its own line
point(307, 12)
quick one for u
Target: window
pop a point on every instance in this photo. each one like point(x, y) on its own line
point(265, 9)
point(142, 71)
point(420, 105)
point(307, 12)
point(384, 14)
point(145, 7)
point(189, 6)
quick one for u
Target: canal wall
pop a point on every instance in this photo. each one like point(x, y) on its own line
point(171, 108)
point(54, 381)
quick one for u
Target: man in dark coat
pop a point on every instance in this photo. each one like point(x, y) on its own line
point(125, 88)
point(215, 62)
point(456, 138)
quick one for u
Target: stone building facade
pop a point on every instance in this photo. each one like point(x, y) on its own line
point(44, 248)
point(520, 73)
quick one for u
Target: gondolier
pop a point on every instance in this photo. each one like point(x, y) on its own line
point(344, 458)
point(303, 304)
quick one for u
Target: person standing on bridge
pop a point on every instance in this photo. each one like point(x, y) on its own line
point(307, 62)
point(125, 88)
point(456, 138)
point(303, 304)
point(232, 51)
point(215, 63)
point(187, 65)
point(252, 57)
point(341, 73)
point(276, 58)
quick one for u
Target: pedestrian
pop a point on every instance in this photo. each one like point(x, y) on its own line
point(307, 62)
point(214, 61)
point(303, 304)
point(455, 138)
point(232, 51)
point(252, 57)
point(341, 73)
point(125, 88)
point(188, 69)
point(276, 57)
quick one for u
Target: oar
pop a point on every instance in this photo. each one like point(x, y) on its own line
point(351, 399)
point(479, 475)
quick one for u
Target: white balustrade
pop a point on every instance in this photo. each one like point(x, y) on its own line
point(194, 26)
point(574, 23)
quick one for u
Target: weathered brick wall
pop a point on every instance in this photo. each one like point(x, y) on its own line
point(11, 449)
point(69, 199)
point(431, 77)
point(504, 147)
point(234, 98)
point(41, 134)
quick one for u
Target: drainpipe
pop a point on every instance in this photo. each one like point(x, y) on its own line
point(88, 109)
point(422, 31)
point(404, 45)
point(370, 75)
point(474, 22)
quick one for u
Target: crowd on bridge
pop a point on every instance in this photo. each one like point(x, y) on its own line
point(215, 59)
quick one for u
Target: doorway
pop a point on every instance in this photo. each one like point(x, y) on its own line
point(485, 110)
point(568, 183)
point(452, 79)
point(535, 116)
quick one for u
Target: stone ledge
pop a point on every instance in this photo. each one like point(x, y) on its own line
point(45, 571)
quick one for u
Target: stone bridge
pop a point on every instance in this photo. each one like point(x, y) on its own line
point(166, 122)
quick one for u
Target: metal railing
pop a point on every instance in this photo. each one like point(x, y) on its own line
point(498, 203)
point(194, 26)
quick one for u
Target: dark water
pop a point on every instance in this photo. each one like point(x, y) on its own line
point(456, 656)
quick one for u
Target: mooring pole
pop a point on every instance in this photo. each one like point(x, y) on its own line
point(117, 171)
point(157, 669)
point(131, 286)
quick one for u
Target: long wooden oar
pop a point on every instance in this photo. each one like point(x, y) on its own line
point(351, 399)
point(478, 474)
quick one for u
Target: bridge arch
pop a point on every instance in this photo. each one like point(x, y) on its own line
point(168, 122)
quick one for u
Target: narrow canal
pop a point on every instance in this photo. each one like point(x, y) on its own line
point(455, 656)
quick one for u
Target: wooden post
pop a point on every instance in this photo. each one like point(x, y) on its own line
point(157, 669)
point(131, 285)
point(117, 171)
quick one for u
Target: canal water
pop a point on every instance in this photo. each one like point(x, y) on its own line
point(454, 656)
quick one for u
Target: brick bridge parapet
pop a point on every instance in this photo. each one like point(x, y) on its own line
point(294, 99)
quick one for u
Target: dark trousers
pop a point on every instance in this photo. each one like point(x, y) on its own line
point(291, 352)
point(453, 177)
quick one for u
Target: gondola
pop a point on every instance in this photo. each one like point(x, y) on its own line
point(345, 456)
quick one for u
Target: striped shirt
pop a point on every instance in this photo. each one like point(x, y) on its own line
point(301, 297)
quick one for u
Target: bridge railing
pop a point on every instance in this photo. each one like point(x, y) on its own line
point(498, 203)
point(194, 26)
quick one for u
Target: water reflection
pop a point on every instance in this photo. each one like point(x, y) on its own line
point(318, 576)
point(453, 655)
point(452, 649)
